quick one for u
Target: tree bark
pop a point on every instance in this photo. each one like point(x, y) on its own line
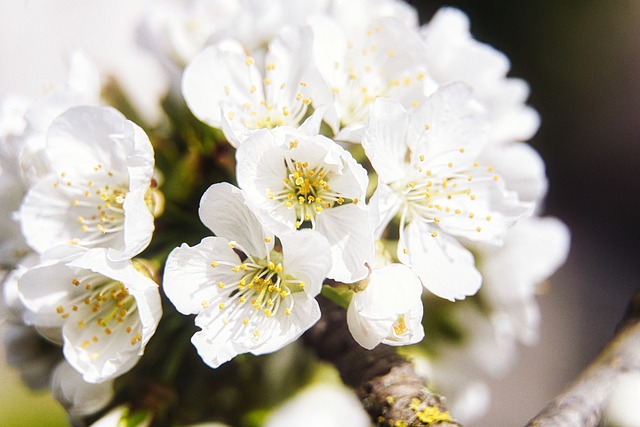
point(583, 403)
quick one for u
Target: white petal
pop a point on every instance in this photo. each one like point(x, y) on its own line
point(533, 250)
point(307, 257)
point(221, 338)
point(87, 133)
point(350, 236)
point(445, 267)
point(216, 71)
point(224, 211)
point(189, 277)
point(261, 166)
point(383, 206)
point(384, 140)
point(78, 397)
point(448, 120)
point(522, 168)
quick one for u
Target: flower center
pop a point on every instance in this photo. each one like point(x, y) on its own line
point(102, 307)
point(278, 104)
point(97, 204)
point(444, 191)
point(306, 190)
point(261, 290)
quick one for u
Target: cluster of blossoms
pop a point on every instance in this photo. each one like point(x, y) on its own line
point(340, 149)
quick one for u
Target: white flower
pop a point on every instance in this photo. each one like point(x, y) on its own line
point(345, 409)
point(99, 194)
point(295, 181)
point(389, 310)
point(429, 176)
point(248, 294)
point(78, 397)
point(107, 309)
point(454, 55)
point(533, 250)
point(226, 88)
point(383, 60)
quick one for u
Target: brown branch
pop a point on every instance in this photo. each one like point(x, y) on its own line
point(388, 386)
point(583, 403)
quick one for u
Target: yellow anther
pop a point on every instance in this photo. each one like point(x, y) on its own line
point(279, 268)
point(405, 251)
point(399, 326)
point(221, 306)
point(214, 264)
point(271, 266)
point(221, 285)
point(249, 60)
point(434, 234)
point(287, 311)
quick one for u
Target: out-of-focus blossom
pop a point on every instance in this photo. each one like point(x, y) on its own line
point(454, 55)
point(384, 60)
point(309, 408)
point(78, 397)
point(249, 296)
point(533, 250)
point(295, 181)
point(23, 125)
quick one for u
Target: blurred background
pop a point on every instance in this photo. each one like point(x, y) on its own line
point(582, 61)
